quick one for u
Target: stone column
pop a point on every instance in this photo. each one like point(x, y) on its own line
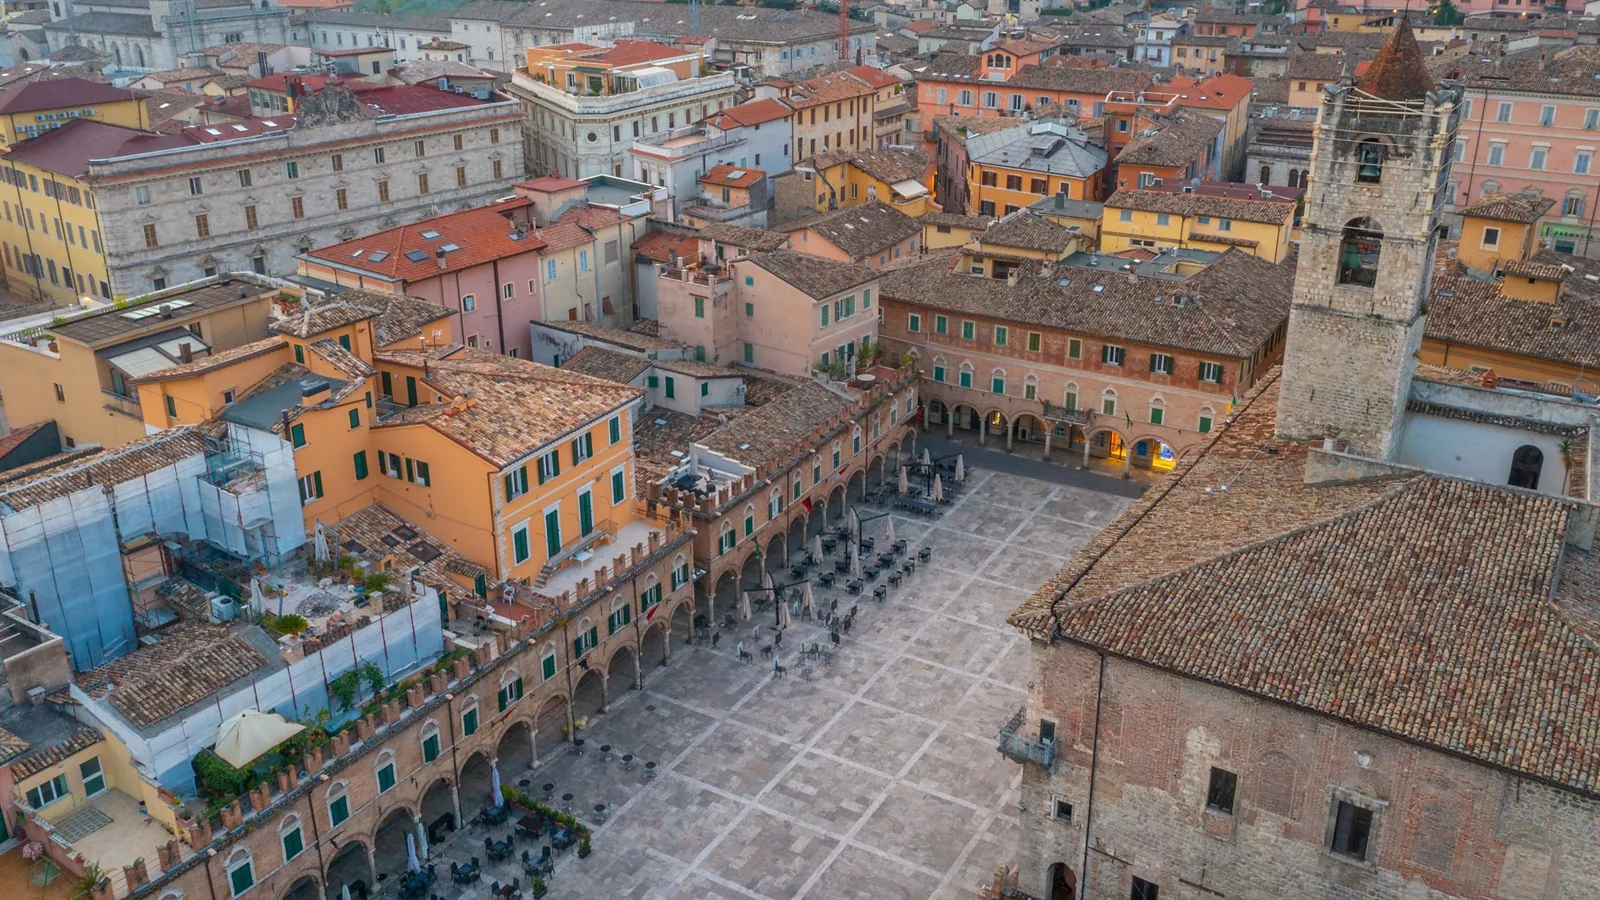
point(1127, 460)
point(455, 802)
point(638, 676)
point(605, 692)
point(533, 744)
point(572, 727)
point(1085, 448)
point(983, 431)
point(372, 864)
point(1048, 433)
point(950, 426)
point(666, 639)
point(1011, 429)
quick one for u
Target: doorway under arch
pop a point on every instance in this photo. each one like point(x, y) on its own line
point(1062, 883)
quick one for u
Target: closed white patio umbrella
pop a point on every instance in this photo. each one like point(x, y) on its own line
point(744, 605)
point(806, 600)
point(412, 863)
point(321, 544)
point(494, 783)
point(927, 458)
point(785, 620)
point(961, 468)
point(816, 547)
point(888, 533)
point(904, 483)
point(938, 489)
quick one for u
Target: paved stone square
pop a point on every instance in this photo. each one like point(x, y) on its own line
point(874, 777)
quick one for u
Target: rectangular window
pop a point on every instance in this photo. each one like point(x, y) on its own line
point(1125, 215)
point(1205, 425)
point(298, 205)
point(1035, 341)
point(614, 429)
point(582, 448)
point(1352, 826)
point(360, 460)
point(250, 218)
point(1074, 349)
point(1580, 162)
point(825, 311)
point(938, 373)
point(509, 694)
point(913, 323)
point(294, 842)
point(1591, 119)
point(422, 183)
point(519, 544)
point(469, 722)
point(339, 810)
point(1000, 335)
point(1157, 414)
point(386, 778)
point(244, 178)
point(172, 408)
point(1491, 238)
point(383, 189)
point(1211, 372)
point(196, 188)
point(619, 487)
point(1503, 114)
point(202, 226)
point(969, 330)
point(1108, 406)
point(1144, 890)
point(48, 792)
point(1160, 364)
point(515, 483)
point(430, 748)
point(341, 199)
point(941, 325)
point(292, 169)
point(1547, 116)
point(699, 305)
point(150, 240)
point(94, 778)
point(338, 162)
point(242, 876)
point(997, 385)
point(671, 388)
point(965, 378)
point(1220, 793)
point(549, 466)
point(1497, 154)
point(297, 435)
point(1111, 354)
point(547, 667)
point(1537, 157)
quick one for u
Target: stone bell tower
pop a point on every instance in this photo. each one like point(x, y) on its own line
point(1378, 174)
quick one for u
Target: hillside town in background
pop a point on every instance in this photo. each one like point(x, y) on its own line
point(1029, 450)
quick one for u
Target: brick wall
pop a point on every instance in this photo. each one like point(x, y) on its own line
point(1445, 827)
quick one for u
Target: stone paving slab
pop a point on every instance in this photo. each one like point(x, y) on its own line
point(876, 777)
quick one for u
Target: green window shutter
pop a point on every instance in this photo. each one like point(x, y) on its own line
point(411, 473)
point(1205, 424)
point(385, 778)
point(316, 478)
point(508, 482)
point(339, 810)
point(705, 386)
point(369, 399)
point(293, 844)
point(299, 354)
point(242, 879)
point(652, 381)
point(172, 408)
point(750, 353)
point(430, 748)
point(618, 488)
point(480, 585)
point(355, 418)
point(469, 722)
point(1000, 335)
point(699, 307)
point(423, 475)
point(671, 388)
point(361, 464)
point(297, 435)
point(577, 645)
point(615, 427)
point(938, 373)
point(388, 385)
point(594, 636)
point(999, 385)
point(749, 525)
point(519, 541)
point(547, 667)
point(344, 341)
point(1075, 349)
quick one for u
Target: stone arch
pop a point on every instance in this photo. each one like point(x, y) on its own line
point(681, 622)
point(350, 866)
point(389, 839)
point(438, 810)
point(589, 696)
point(550, 721)
point(799, 522)
point(995, 421)
point(1369, 154)
point(306, 887)
point(1360, 249)
point(1028, 427)
point(1527, 463)
point(1060, 883)
point(724, 595)
point(653, 645)
point(1030, 386)
point(515, 750)
point(965, 416)
point(750, 570)
point(777, 550)
point(1106, 441)
point(1156, 452)
point(624, 663)
point(855, 486)
point(836, 499)
point(475, 785)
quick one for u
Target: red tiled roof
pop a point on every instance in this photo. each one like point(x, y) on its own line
point(921, 26)
point(628, 53)
point(481, 234)
point(61, 92)
point(875, 77)
point(591, 216)
point(68, 149)
point(562, 236)
point(660, 245)
point(403, 99)
point(1223, 91)
point(227, 131)
point(732, 176)
point(280, 81)
point(827, 89)
point(753, 113)
point(1398, 72)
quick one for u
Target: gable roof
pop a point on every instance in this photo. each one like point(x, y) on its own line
point(754, 112)
point(861, 230)
point(814, 276)
point(395, 318)
point(1267, 212)
point(1504, 207)
point(1443, 612)
point(57, 93)
point(68, 149)
point(1178, 138)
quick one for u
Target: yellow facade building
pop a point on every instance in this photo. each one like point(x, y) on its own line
point(897, 178)
point(80, 369)
point(1500, 228)
point(1212, 218)
point(29, 110)
point(523, 469)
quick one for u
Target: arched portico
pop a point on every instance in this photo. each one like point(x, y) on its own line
point(439, 813)
point(550, 723)
point(389, 842)
point(304, 888)
point(476, 785)
point(625, 665)
point(516, 750)
point(589, 697)
point(856, 486)
point(724, 597)
point(1151, 452)
point(352, 867)
point(681, 623)
point(653, 645)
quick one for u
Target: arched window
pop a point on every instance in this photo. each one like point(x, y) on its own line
point(838, 451)
point(749, 519)
point(338, 802)
point(619, 616)
point(727, 538)
point(651, 595)
point(774, 503)
point(138, 55)
point(510, 688)
point(1069, 396)
point(588, 637)
point(469, 716)
point(1108, 402)
point(997, 380)
point(430, 742)
point(1358, 252)
point(1207, 415)
point(1158, 411)
point(547, 662)
point(1526, 464)
point(1489, 187)
point(855, 441)
point(383, 767)
point(292, 838)
point(816, 470)
point(966, 375)
point(1266, 175)
point(241, 872)
point(1370, 155)
point(680, 564)
point(1030, 387)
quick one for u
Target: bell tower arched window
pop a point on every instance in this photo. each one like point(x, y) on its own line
point(1370, 154)
point(1359, 250)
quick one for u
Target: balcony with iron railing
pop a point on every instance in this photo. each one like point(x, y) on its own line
point(721, 278)
point(1022, 749)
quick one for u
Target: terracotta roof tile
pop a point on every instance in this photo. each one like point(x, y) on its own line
point(726, 175)
point(409, 253)
point(1026, 230)
point(1269, 212)
point(189, 663)
point(1398, 72)
point(33, 762)
point(1473, 312)
point(1179, 138)
point(609, 365)
point(1415, 605)
point(813, 276)
point(861, 230)
point(66, 474)
point(1506, 207)
point(755, 112)
point(395, 318)
point(659, 246)
point(216, 360)
point(382, 531)
point(740, 236)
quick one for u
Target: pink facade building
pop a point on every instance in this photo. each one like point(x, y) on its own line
point(1531, 125)
point(484, 263)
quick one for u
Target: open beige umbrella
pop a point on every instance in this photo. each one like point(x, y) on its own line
point(250, 734)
